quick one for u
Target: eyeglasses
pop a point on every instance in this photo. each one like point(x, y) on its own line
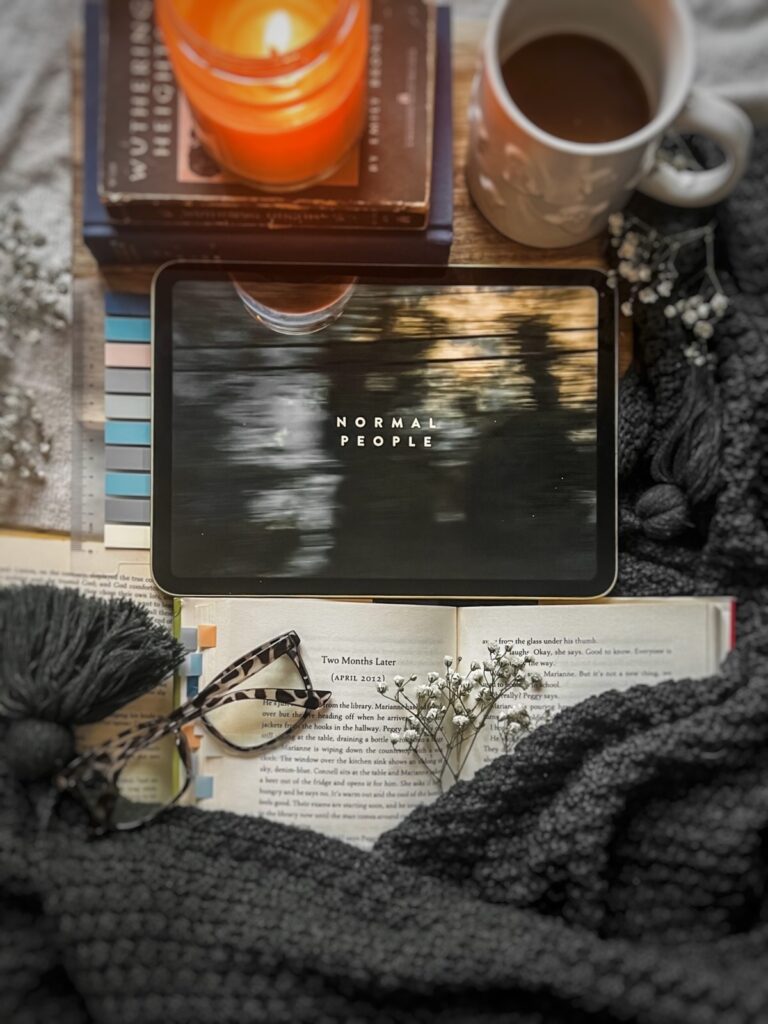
point(115, 781)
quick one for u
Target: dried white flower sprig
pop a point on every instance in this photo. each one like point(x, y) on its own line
point(25, 446)
point(446, 714)
point(35, 296)
point(647, 266)
point(35, 292)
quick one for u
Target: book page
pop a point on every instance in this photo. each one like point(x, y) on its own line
point(31, 560)
point(583, 650)
point(338, 773)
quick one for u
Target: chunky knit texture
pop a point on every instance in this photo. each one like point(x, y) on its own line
point(614, 870)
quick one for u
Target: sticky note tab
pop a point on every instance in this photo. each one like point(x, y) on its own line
point(194, 738)
point(188, 638)
point(127, 510)
point(127, 458)
point(127, 432)
point(126, 538)
point(193, 664)
point(132, 329)
point(206, 637)
point(193, 686)
point(127, 407)
point(128, 485)
point(204, 787)
point(127, 304)
point(127, 356)
point(118, 381)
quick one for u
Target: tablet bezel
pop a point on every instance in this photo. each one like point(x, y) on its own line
point(494, 590)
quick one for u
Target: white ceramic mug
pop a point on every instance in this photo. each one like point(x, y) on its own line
point(546, 191)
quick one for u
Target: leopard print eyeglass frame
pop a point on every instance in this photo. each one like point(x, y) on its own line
point(95, 777)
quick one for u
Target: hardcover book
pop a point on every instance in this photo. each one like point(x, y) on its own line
point(154, 169)
point(112, 242)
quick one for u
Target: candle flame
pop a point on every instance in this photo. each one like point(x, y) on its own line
point(278, 32)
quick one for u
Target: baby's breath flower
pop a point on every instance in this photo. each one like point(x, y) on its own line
point(443, 715)
point(690, 318)
point(670, 312)
point(704, 330)
point(616, 223)
point(719, 303)
point(626, 308)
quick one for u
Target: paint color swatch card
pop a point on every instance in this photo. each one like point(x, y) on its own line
point(128, 414)
point(339, 771)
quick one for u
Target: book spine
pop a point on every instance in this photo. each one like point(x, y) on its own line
point(126, 245)
point(224, 216)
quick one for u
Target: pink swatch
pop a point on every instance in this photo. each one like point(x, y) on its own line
point(129, 356)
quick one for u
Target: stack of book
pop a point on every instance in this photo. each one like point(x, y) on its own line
point(152, 193)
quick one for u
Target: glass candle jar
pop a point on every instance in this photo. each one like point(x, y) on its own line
point(278, 88)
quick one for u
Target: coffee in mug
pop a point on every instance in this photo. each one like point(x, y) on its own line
point(569, 109)
point(577, 87)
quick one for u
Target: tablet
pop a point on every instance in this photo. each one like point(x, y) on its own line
point(409, 433)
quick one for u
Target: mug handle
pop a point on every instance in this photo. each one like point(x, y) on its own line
point(708, 114)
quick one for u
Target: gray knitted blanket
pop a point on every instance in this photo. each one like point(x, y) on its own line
point(614, 869)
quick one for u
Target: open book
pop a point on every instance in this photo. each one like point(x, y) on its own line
point(339, 773)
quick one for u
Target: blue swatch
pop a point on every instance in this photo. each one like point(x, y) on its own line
point(204, 787)
point(126, 304)
point(128, 485)
point(193, 665)
point(127, 432)
point(128, 328)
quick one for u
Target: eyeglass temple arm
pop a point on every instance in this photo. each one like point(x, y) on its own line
point(118, 750)
point(244, 668)
point(308, 700)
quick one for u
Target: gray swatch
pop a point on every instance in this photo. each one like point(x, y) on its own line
point(127, 510)
point(127, 382)
point(128, 458)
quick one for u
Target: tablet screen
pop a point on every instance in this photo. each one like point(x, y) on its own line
point(397, 434)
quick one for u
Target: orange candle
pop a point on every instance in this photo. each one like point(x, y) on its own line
point(277, 87)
